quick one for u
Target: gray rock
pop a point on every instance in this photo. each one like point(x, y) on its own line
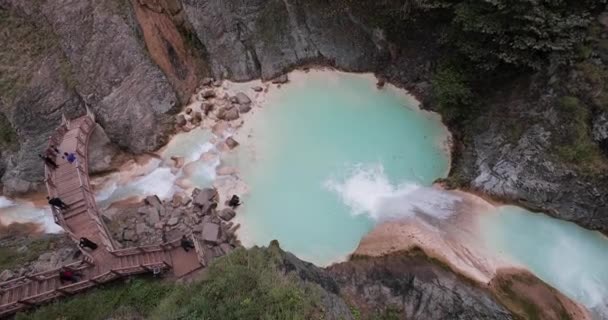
point(258, 89)
point(280, 79)
point(227, 214)
point(244, 108)
point(211, 232)
point(172, 221)
point(129, 235)
point(207, 107)
point(197, 118)
point(415, 286)
point(153, 215)
point(217, 83)
point(180, 121)
point(101, 151)
point(600, 128)
point(207, 94)
point(153, 201)
point(207, 81)
point(205, 199)
point(188, 110)
point(6, 275)
point(228, 113)
point(231, 143)
point(141, 228)
point(242, 98)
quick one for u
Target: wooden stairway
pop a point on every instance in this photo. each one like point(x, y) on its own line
point(70, 182)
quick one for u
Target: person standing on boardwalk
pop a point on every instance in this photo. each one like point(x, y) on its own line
point(86, 243)
point(48, 161)
point(69, 157)
point(68, 274)
point(57, 203)
point(186, 243)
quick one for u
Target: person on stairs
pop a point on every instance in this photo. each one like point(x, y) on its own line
point(86, 243)
point(69, 274)
point(186, 243)
point(57, 203)
point(48, 161)
point(69, 157)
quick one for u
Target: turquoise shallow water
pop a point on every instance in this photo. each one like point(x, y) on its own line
point(316, 133)
point(572, 259)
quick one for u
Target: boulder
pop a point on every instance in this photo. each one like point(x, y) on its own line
point(280, 79)
point(226, 248)
point(227, 214)
point(177, 200)
point(197, 118)
point(211, 232)
point(178, 162)
point(244, 108)
point(180, 121)
point(242, 98)
point(234, 100)
point(202, 197)
point(207, 81)
point(217, 83)
point(207, 94)
point(153, 215)
point(258, 89)
point(129, 235)
point(600, 128)
point(153, 201)
point(231, 143)
point(173, 221)
point(188, 110)
point(141, 228)
point(228, 113)
point(206, 107)
point(6, 275)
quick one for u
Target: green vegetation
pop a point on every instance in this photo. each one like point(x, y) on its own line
point(12, 256)
point(243, 285)
point(452, 91)
point(574, 145)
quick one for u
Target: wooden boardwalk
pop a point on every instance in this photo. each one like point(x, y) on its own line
point(70, 182)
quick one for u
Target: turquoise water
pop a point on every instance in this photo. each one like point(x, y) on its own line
point(314, 138)
point(572, 259)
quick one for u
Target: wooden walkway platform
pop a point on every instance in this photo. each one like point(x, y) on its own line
point(70, 183)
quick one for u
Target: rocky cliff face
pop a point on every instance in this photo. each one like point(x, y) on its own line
point(264, 38)
point(397, 287)
point(92, 54)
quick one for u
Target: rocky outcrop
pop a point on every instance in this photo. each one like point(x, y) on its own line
point(75, 53)
point(413, 287)
point(252, 39)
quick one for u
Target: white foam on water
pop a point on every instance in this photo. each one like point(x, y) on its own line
point(6, 202)
point(26, 212)
point(367, 190)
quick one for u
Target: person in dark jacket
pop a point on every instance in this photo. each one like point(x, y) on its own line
point(186, 243)
point(57, 203)
point(86, 243)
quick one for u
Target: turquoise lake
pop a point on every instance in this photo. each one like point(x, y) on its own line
point(318, 157)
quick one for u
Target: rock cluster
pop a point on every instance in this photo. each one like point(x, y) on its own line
point(212, 104)
point(154, 221)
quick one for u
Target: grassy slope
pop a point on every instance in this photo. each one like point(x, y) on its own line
point(243, 285)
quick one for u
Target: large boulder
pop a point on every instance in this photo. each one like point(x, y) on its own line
point(242, 98)
point(227, 214)
point(204, 197)
point(101, 151)
point(228, 113)
point(231, 143)
point(211, 232)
